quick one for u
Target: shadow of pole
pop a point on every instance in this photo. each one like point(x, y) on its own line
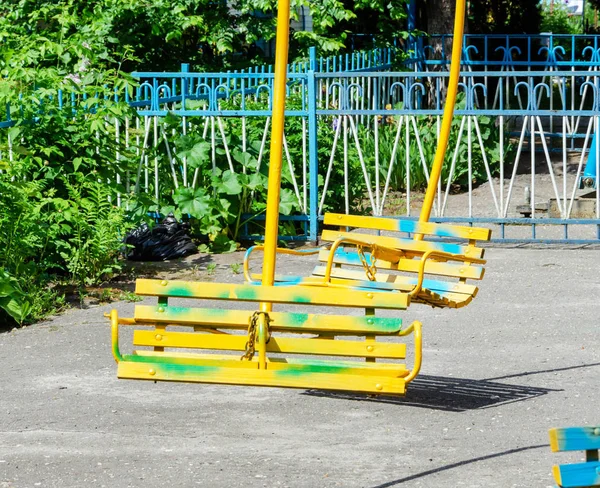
point(457, 465)
point(542, 371)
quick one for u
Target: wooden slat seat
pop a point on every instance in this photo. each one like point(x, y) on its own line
point(393, 370)
point(280, 321)
point(430, 272)
point(178, 342)
point(577, 475)
point(436, 293)
point(327, 296)
point(409, 247)
point(288, 345)
point(438, 268)
point(304, 349)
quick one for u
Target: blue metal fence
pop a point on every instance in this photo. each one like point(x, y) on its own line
point(503, 51)
point(357, 123)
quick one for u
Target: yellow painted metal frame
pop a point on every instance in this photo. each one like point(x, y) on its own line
point(276, 153)
point(380, 252)
point(442, 144)
point(278, 117)
point(363, 373)
point(367, 377)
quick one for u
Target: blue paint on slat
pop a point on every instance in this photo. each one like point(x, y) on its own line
point(581, 475)
point(578, 438)
point(412, 227)
point(441, 288)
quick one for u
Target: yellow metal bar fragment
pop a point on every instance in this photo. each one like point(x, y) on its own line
point(262, 341)
point(278, 117)
point(416, 327)
point(114, 327)
point(436, 169)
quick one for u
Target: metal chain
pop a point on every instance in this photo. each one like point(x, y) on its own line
point(370, 268)
point(251, 342)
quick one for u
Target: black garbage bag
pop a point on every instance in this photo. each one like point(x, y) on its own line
point(167, 240)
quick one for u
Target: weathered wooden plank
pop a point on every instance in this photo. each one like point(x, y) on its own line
point(302, 295)
point(395, 370)
point(310, 346)
point(409, 226)
point(425, 295)
point(405, 244)
point(404, 283)
point(580, 475)
point(433, 267)
point(280, 321)
point(287, 377)
point(445, 299)
point(575, 438)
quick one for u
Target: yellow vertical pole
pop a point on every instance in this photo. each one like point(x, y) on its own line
point(436, 169)
point(275, 161)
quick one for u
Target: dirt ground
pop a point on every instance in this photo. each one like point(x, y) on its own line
point(522, 358)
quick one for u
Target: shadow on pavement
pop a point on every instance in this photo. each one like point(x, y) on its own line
point(158, 269)
point(457, 465)
point(542, 371)
point(449, 394)
point(5, 326)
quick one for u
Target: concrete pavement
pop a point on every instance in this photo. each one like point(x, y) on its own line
point(523, 357)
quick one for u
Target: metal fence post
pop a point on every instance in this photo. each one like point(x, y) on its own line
point(313, 163)
point(411, 25)
point(185, 68)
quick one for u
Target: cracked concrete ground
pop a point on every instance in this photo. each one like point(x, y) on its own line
point(522, 358)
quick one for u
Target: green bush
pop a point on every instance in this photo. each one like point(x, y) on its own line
point(490, 135)
point(427, 126)
point(59, 226)
point(217, 202)
point(48, 240)
point(24, 239)
point(559, 21)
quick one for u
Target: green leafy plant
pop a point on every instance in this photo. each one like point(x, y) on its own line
point(427, 126)
point(556, 19)
point(65, 90)
point(223, 192)
point(26, 238)
point(129, 296)
point(13, 300)
point(92, 230)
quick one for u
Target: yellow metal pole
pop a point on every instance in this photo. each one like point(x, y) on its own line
point(278, 115)
point(436, 169)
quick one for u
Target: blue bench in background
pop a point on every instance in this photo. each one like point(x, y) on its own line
point(578, 475)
